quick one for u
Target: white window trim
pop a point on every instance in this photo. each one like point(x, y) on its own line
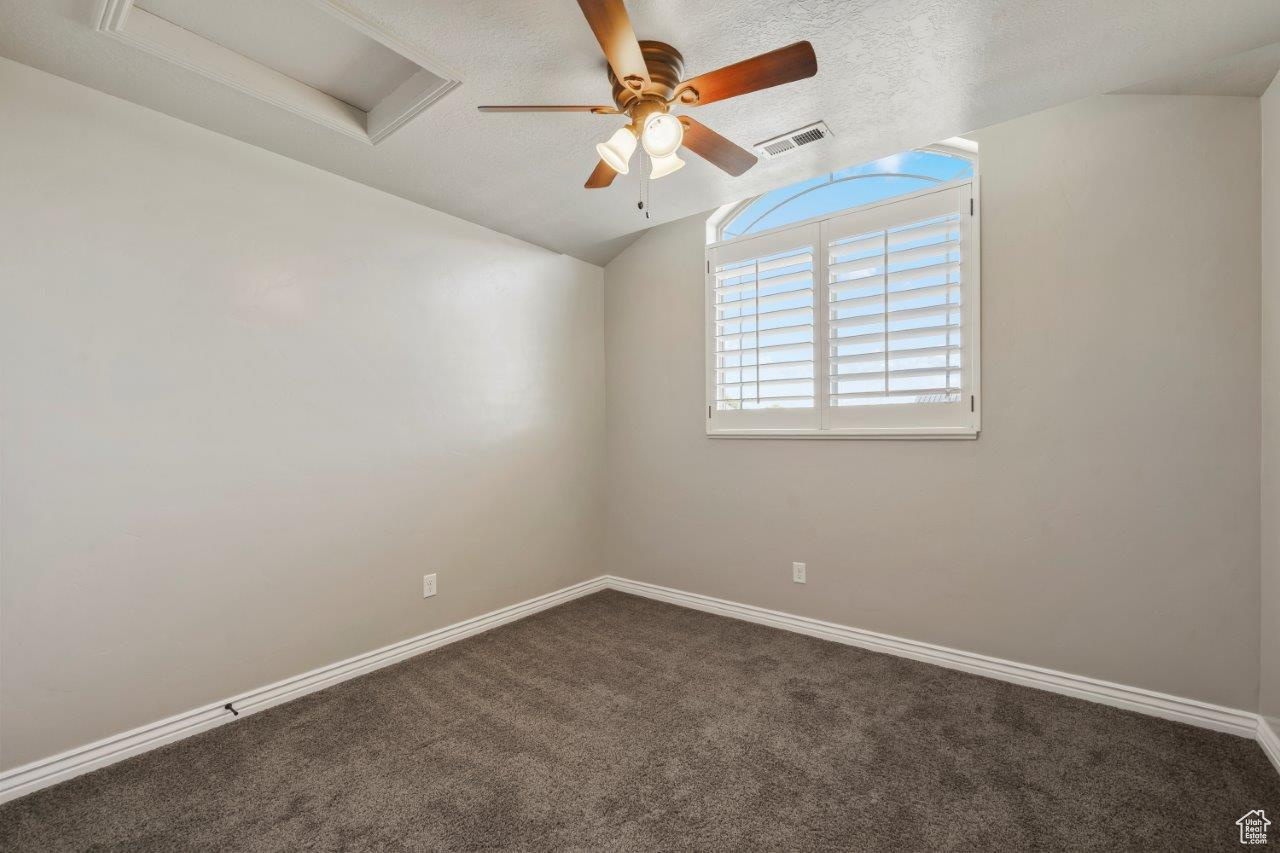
point(971, 323)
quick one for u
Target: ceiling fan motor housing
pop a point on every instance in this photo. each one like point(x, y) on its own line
point(646, 77)
point(666, 68)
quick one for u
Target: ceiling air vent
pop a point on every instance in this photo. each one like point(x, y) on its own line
point(792, 140)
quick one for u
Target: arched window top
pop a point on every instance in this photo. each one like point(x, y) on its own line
point(888, 177)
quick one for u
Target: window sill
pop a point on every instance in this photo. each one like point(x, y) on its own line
point(964, 434)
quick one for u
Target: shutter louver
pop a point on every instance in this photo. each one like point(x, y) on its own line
point(894, 315)
point(764, 341)
point(865, 323)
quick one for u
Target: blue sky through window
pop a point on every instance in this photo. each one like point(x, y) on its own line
point(855, 186)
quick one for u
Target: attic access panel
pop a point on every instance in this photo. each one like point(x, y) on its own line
point(315, 58)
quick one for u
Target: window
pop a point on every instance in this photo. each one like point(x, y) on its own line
point(847, 305)
point(856, 186)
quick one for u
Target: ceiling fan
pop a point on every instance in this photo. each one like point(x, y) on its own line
point(646, 79)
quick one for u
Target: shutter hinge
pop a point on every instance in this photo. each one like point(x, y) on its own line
point(971, 206)
point(708, 413)
point(708, 267)
point(971, 402)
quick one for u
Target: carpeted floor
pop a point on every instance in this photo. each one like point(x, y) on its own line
point(618, 723)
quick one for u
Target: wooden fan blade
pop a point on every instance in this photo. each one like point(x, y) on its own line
point(609, 21)
point(551, 108)
point(601, 177)
point(784, 65)
point(715, 149)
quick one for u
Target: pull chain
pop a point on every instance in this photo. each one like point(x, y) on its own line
point(643, 203)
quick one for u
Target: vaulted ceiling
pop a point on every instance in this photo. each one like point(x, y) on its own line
point(892, 74)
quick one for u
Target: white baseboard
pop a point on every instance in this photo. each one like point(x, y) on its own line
point(75, 762)
point(1269, 741)
point(1191, 711)
point(48, 771)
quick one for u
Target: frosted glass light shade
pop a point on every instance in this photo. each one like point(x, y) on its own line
point(662, 135)
point(618, 150)
point(663, 166)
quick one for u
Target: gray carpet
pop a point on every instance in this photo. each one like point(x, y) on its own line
point(618, 723)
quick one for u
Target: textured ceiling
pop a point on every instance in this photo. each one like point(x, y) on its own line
point(1245, 74)
point(892, 74)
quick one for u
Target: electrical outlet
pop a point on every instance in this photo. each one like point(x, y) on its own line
point(797, 573)
point(428, 585)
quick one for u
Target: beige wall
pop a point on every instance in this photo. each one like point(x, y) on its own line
point(247, 405)
point(1270, 686)
point(1107, 521)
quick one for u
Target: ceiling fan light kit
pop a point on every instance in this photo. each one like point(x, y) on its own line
point(647, 78)
point(662, 136)
point(618, 150)
point(663, 166)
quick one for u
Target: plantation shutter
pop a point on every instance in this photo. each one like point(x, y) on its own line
point(762, 343)
point(894, 318)
point(864, 323)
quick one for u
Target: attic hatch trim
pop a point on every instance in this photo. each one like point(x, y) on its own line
point(138, 28)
